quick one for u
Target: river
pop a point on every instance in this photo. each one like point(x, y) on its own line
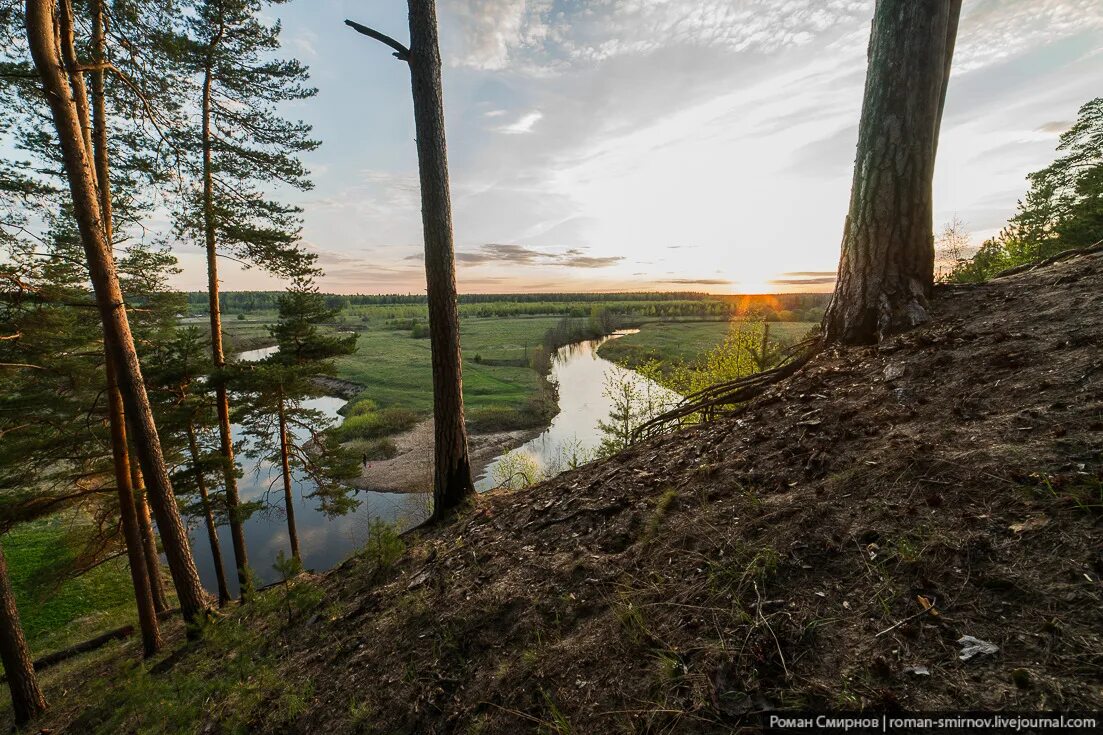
point(581, 375)
point(323, 541)
point(577, 369)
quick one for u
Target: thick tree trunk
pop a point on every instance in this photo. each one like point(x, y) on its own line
point(135, 554)
point(887, 268)
point(149, 540)
point(208, 517)
point(288, 498)
point(147, 614)
point(44, 41)
point(451, 468)
point(222, 399)
point(26, 698)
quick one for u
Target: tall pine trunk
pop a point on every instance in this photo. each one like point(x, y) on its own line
point(208, 517)
point(288, 497)
point(135, 554)
point(149, 540)
point(222, 399)
point(26, 697)
point(451, 467)
point(45, 38)
point(886, 273)
point(147, 615)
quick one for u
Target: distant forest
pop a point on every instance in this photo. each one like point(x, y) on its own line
point(781, 307)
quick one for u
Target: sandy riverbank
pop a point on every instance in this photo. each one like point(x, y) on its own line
point(411, 470)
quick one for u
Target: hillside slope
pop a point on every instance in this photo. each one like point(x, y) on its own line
point(784, 558)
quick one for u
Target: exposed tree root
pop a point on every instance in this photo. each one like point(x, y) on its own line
point(1063, 255)
point(717, 400)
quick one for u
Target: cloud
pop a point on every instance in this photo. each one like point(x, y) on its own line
point(549, 35)
point(802, 281)
point(697, 281)
point(1055, 126)
point(519, 255)
point(524, 124)
point(994, 30)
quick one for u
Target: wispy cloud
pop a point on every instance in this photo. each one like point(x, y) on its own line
point(697, 281)
point(524, 124)
point(520, 255)
point(1055, 126)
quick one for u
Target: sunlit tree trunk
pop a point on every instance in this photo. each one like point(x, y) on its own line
point(208, 517)
point(46, 36)
point(135, 554)
point(886, 273)
point(452, 467)
point(147, 615)
point(26, 696)
point(288, 497)
point(149, 540)
point(222, 398)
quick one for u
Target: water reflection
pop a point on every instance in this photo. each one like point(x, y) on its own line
point(324, 541)
point(581, 375)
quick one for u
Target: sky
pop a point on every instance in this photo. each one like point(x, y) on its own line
point(599, 145)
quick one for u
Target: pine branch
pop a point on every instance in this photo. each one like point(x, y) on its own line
point(401, 52)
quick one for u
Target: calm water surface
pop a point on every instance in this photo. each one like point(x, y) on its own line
point(581, 376)
point(324, 541)
point(578, 371)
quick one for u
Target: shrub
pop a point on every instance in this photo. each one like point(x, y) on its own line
point(363, 406)
point(373, 449)
point(376, 424)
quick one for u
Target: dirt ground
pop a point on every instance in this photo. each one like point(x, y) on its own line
point(785, 557)
point(832, 546)
point(411, 469)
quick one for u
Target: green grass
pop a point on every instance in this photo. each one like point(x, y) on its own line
point(375, 424)
point(396, 372)
point(686, 341)
point(396, 369)
point(57, 614)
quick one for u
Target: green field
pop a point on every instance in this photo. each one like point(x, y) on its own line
point(56, 613)
point(686, 341)
point(395, 368)
point(393, 365)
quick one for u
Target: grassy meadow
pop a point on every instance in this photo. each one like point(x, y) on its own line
point(58, 612)
point(500, 336)
point(686, 341)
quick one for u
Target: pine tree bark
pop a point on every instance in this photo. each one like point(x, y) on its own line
point(26, 696)
point(886, 273)
point(452, 467)
point(288, 497)
point(147, 614)
point(149, 540)
point(218, 354)
point(45, 39)
point(208, 517)
point(135, 554)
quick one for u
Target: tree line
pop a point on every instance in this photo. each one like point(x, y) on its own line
point(1062, 210)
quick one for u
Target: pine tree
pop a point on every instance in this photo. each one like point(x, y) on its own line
point(26, 696)
point(452, 483)
point(886, 273)
point(186, 408)
point(50, 35)
point(239, 146)
point(274, 415)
